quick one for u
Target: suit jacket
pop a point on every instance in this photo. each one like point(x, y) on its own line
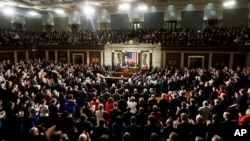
point(184, 131)
point(213, 128)
point(113, 114)
point(199, 129)
point(151, 128)
point(136, 132)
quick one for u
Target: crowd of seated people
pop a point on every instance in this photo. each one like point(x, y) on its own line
point(81, 104)
point(180, 36)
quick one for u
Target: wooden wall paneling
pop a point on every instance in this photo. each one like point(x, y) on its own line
point(173, 59)
point(36, 54)
point(21, 55)
point(95, 57)
point(76, 53)
point(52, 55)
point(187, 56)
point(239, 60)
point(220, 60)
point(40, 54)
point(7, 56)
point(62, 56)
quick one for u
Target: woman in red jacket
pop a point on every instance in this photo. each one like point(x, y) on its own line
point(109, 104)
point(244, 119)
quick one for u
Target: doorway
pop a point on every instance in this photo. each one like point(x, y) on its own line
point(136, 25)
point(172, 25)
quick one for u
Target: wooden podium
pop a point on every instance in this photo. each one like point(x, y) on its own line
point(126, 72)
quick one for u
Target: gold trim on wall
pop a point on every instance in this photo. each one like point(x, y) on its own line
point(77, 58)
point(193, 60)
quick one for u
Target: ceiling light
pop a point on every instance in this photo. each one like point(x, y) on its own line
point(33, 13)
point(59, 11)
point(8, 11)
point(124, 6)
point(143, 7)
point(229, 3)
point(88, 10)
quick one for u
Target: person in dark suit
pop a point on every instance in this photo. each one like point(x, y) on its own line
point(84, 125)
point(184, 128)
point(127, 115)
point(228, 126)
point(168, 129)
point(100, 130)
point(192, 109)
point(54, 114)
point(199, 128)
point(135, 130)
point(216, 109)
point(152, 127)
point(122, 104)
point(142, 117)
point(214, 128)
point(114, 113)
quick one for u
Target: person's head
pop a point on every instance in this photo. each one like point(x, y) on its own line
point(101, 122)
point(199, 118)
point(127, 137)
point(216, 138)
point(215, 118)
point(173, 137)
point(154, 137)
point(198, 138)
point(192, 101)
point(226, 115)
point(132, 99)
point(216, 102)
point(119, 119)
point(115, 104)
point(141, 100)
point(133, 120)
point(205, 103)
point(83, 117)
point(110, 100)
point(184, 117)
point(151, 119)
point(100, 107)
point(83, 137)
point(248, 112)
point(155, 108)
point(183, 104)
point(34, 131)
point(169, 122)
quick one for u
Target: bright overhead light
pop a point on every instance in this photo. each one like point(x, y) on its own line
point(124, 6)
point(8, 11)
point(88, 10)
point(59, 11)
point(33, 13)
point(143, 7)
point(229, 3)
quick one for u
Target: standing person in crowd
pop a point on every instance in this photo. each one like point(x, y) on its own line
point(100, 113)
point(151, 127)
point(114, 113)
point(136, 131)
point(109, 104)
point(100, 131)
point(71, 104)
point(132, 104)
point(244, 119)
point(118, 129)
point(184, 128)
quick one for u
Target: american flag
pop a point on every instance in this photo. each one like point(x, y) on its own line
point(132, 57)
